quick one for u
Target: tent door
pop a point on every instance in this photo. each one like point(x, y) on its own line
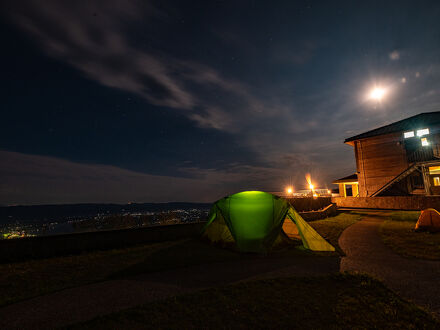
point(290, 229)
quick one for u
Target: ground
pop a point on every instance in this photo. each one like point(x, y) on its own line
point(23, 280)
point(397, 232)
point(139, 286)
point(330, 302)
point(331, 228)
point(413, 278)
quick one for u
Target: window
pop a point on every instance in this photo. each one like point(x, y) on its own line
point(424, 142)
point(436, 181)
point(408, 134)
point(421, 132)
point(348, 190)
point(434, 170)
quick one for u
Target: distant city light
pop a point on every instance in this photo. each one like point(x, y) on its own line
point(377, 93)
point(289, 190)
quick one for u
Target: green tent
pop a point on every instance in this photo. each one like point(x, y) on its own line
point(254, 221)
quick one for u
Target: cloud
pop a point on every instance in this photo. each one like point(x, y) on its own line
point(290, 137)
point(394, 55)
point(32, 179)
point(95, 39)
point(91, 38)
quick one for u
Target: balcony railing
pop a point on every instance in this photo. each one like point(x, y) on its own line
point(422, 154)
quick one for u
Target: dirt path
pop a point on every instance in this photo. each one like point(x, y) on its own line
point(83, 303)
point(414, 279)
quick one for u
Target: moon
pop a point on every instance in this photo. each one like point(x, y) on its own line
point(377, 93)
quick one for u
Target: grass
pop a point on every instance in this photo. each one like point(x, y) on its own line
point(28, 279)
point(330, 302)
point(405, 216)
point(24, 280)
point(398, 233)
point(401, 237)
point(331, 228)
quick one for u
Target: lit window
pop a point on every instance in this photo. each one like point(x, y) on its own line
point(436, 181)
point(421, 132)
point(434, 170)
point(424, 142)
point(408, 134)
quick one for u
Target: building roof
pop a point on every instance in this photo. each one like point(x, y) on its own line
point(350, 178)
point(412, 123)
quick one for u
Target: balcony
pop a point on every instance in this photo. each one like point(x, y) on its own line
point(422, 154)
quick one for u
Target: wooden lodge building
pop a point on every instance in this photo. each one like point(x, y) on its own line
point(400, 159)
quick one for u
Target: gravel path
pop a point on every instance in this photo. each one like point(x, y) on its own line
point(413, 279)
point(83, 303)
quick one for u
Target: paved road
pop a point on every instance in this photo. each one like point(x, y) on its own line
point(414, 279)
point(83, 303)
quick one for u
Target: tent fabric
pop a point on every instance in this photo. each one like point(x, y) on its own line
point(310, 238)
point(254, 221)
point(429, 220)
point(290, 229)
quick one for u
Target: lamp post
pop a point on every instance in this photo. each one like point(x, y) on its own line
point(311, 189)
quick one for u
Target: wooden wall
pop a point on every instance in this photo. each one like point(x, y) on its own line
point(379, 159)
point(435, 141)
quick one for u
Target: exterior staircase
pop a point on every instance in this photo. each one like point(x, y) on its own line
point(418, 166)
point(398, 178)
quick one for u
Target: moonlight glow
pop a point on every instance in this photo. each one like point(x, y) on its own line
point(377, 93)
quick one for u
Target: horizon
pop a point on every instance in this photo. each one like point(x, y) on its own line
point(155, 102)
point(91, 203)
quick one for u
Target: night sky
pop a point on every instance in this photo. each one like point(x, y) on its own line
point(141, 101)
